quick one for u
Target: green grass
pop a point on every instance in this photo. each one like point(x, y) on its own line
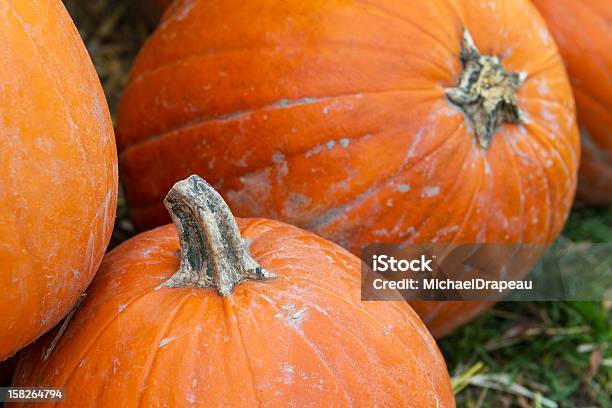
point(531, 354)
point(518, 354)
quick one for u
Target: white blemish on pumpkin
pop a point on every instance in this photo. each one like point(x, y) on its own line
point(487, 167)
point(344, 142)
point(550, 118)
point(430, 191)
point(287, 370)
point(278, 157)
point(331, 144)
point(256, 188)
point(447, 230)
point(543, 88)
point(122, 307)
point(388, 329)
point(544, 36)
point(403, 188)
point(167, 340)
point(295, 204)
point(293, 317)
point(417, 139)
point(390, 203)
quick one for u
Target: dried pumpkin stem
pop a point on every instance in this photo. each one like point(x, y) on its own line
point(486, 92)
point(213, 253)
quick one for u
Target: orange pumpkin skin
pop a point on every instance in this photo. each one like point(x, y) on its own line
point(583, 33)
point(304, 337)
point(58, 172)
point(333, 116)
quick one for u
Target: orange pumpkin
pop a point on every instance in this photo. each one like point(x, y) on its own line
point(214, 328)
point(583, 33)
point(363, 121)
point(58, 172)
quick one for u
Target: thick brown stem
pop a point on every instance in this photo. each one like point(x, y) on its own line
point(486, 92)
point(213, 253)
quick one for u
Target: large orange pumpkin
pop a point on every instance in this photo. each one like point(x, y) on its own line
point(363, 121)
point(198, 326)
point(58, 170)
point(583, 32)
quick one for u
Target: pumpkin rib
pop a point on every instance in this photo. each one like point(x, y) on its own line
point(324, 220)
point(372, 319)
point(395, 15)
point(278, 105)
point(539, 131)
point(471, 207)
point(549, 199)
point(95, 337)
point(547, 65)
point(52, 76)
point(246, 356)
point(163, 329)
point(146, 73)
point(333, 373)
point(509, 148)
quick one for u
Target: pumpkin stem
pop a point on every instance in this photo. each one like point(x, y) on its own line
point(486, 92)
point(213, 253)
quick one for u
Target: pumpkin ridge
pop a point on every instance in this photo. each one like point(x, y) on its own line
point(320, 221)
point(245, 353)
point(401, 18)
point(95, 337)
point(269, 165)
point(468, 213)
point(212, 53)
point(148, 369)
point(509, 149)
point(52, 77)
point(371, 318)
point(333, 373)
point(280, 104)
point(549, 198)
point(538, 130)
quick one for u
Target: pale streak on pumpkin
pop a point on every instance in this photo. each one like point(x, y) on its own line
point(58, 190)
point(383, 65)
point(304, 337)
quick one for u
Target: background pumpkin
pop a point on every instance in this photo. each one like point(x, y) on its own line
point(334, 116)
point(583, 33)
point(147, 335)
point(58, 178)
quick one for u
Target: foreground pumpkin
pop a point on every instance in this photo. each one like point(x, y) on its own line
point(365, 122)
point(58, 170)
point(583, 32)
point(224, 331)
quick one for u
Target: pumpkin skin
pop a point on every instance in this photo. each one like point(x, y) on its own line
point(332, 116)
point(302, 338)
point(583, 34)
point(58, 178)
